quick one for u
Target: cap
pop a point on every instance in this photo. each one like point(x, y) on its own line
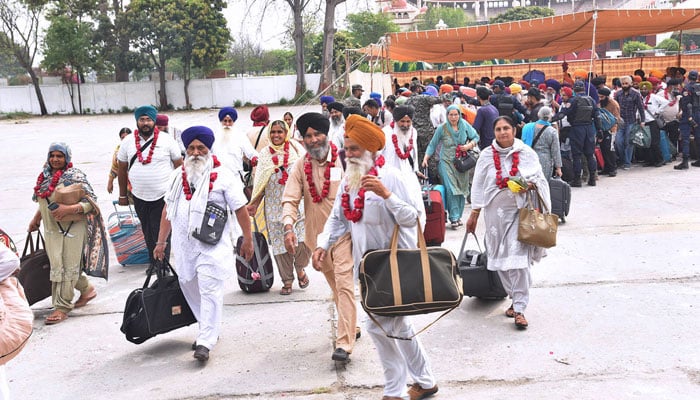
point(357, 87)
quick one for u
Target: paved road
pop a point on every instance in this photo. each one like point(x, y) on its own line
point(613, 312)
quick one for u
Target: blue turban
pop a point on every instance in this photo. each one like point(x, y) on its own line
point(148, 111)
point(499, 83)
point(201, 133)
point(327, 99)
point(63, 148)
point(554, 84)
point(376, 96)
point(230, 111)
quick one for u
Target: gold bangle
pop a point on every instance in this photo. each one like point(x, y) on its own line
point(477, 212)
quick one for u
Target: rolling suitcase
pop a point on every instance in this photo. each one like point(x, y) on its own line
point(127, 237)
point(477, 280)
point(434, 230)
point(560, 193)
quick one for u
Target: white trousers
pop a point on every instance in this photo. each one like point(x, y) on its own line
point(4, 386)
point(400, 357)
point(516, 282)
point(205, 295)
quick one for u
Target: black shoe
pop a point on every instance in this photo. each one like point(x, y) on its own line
point(194, 345)
point(201, 353)
point(576, 183)
point(358, 333)
point(682, 165)
point(659, 164)
point(591, 182)
point(340, 355)
point(612, 174)
point(696, 163)
point(648, 164)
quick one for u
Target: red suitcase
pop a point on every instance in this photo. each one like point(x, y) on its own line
point(434, 229)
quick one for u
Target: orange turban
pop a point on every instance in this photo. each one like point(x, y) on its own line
point(445, 88)
point(657, 73)
point(580, 74)
point(365, 132)
point(637, 78)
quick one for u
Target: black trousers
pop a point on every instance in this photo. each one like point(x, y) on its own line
point(149, 213)
point(655, 147)
point(609, 156)
point(673, 130)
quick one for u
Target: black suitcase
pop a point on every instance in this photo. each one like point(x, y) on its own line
point(567, 170)
point(560, 194)
point(156, 309)
point(34, 269)
point(257, 274)
point(477, 280)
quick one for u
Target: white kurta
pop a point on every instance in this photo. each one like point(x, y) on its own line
point(230, 150)
point(389, 151)
point(399, 358)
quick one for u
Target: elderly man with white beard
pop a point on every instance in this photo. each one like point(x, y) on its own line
point(401, 138)
point(231, 147)
point(381, 198)
point(316, 180)
point(336, 132)
point(202, 267)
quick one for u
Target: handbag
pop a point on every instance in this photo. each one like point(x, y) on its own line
point(399, 282)
point(466, 160)
point(660, 121)
point(34, 269)
point(156, 309)
point(537, 228)
point(16, 320)
point(477, 280)
point(641, 136)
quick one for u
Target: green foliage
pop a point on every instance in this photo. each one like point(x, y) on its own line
point(630, 47)
point(246, 57)
point(452, 17)
point(9, 65)
point(67, 44)
point(521, 13)
point(343, 40)
point(237, 104)
point(283, 101)
point(368, 27)
point(669, 44)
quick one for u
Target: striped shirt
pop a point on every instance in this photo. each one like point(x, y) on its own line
point(149, 182)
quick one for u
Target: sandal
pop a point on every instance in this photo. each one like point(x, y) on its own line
point(55, 318)
point(520, 320)
point(304, 282)
point(510, 312)
point(85, 298)
point(286, 290)
point(455, 225)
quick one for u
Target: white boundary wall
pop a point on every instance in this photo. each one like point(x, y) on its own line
point(100, 98)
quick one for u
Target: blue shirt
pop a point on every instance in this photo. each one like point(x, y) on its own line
point(485, 116)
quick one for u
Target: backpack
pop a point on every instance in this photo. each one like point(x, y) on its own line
point(505, 105)
point(607, 119)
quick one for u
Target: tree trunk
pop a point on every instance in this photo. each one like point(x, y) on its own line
point(186, 72)
point(163, 98)
point(120, 74)
point(37, 90)
point(80, 96)
point(298, 36)
point(328, 36)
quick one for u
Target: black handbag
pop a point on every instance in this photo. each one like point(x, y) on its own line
point(466, 161)
point(399, 282)
point(156, 309)
point(35, 269)
point(477, 280)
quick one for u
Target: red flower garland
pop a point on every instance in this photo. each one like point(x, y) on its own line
point(402, 155)
point(285, 163)
point(52, 185)
point(327, 176)
point(137, 139)
point(502, 182)
point(186, 185)
point(359, 203)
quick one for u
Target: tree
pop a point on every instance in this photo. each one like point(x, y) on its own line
point(153, 32)
point(9, 66)
point(67, 45)
point(111, 41)
point(368, 27)
point(19, 34)
point(298, 7)
point(343, 40)
point(203, 37)
point(521, 13)
point(452, 17)
point(669, 45)
point(630, 47)
point(327, 50)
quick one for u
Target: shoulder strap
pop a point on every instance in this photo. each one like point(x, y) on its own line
point(258, 139)
point(537, 137)
point(144, 147)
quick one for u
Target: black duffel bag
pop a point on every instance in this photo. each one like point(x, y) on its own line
point(35, 269)
point(156, 309)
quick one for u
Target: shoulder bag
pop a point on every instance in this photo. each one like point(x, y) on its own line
point(399, 282)
point(35, 269)
point(16, 320)
point(156, 309)
point(535, 227)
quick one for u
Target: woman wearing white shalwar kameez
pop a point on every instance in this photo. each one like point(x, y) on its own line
point(507, 157)
point(202, 268)
point(389, 199)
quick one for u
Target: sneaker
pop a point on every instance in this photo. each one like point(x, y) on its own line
point(416, 392)
point(626, 167)
point(201, 353)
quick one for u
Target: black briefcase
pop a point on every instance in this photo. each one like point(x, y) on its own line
point(34, 269)
point(156, 309)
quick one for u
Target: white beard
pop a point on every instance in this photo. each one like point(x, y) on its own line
point(403, 137)
point(357, 168)
point(226, 136)
point(195, 166)
point(335, 125)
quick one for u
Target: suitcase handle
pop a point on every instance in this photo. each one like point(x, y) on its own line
point(464, 242)
point(115, 204)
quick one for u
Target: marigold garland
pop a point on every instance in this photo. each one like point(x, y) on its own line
point(186, 185)
point(285, 163)
point(355, 214)
point(399, 153)
point(502, 182)
point(52, 185)
point(137, 140)
point(315, 197)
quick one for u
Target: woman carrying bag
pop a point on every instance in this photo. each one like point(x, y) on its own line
point(455, 135)
point(507, 159)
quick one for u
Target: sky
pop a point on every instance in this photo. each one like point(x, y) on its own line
point(245, 17)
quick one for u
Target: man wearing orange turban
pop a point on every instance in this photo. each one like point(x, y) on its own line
point(374, 198)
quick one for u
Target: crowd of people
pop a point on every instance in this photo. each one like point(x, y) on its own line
point(334, 184)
